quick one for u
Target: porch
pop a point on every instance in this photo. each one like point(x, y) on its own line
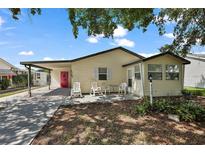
point(87, 98)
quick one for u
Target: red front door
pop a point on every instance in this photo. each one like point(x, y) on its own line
point(64, 79)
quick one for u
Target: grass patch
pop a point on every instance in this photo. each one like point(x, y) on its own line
point(16, 92)
point(194, 91)
point(12, 93)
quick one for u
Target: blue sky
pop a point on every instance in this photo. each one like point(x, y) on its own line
point(49, 36)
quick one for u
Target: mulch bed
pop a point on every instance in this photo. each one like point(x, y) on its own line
point(200, 100)
point(116, 123)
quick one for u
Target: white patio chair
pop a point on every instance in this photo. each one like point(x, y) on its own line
point(76, 90)
point(123, 88)
point(105, 88)
point(95, 89)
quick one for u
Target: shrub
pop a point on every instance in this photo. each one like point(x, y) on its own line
point(160, 105)
point(20, 80)
point(191, 112)
point(143, 108)
point(4, 84)
point(186, 110)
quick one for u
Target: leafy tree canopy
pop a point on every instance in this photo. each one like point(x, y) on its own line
point(189, 24)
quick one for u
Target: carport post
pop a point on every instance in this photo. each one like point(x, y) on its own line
point(29, 80)
point(49, 79)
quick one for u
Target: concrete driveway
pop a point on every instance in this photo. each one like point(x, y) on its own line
point(23, 117)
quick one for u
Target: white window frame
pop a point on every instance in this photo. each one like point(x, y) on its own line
point(155, 71)
point(166, 72)
point(99, 73)
point(137, 72)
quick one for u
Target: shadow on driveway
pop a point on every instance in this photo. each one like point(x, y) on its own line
point(24, 117)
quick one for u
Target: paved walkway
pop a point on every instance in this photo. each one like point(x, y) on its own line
point(23, 117)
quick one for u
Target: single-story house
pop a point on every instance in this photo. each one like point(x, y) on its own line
point(195, 72)
point(118, 65)
point(7, 70)
point(40, 78)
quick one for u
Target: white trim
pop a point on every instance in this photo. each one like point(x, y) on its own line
point(142, 77)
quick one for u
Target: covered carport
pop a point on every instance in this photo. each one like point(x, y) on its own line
point(55, 69)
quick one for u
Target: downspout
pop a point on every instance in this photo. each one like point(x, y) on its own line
point(49, 79)
point(29, 79)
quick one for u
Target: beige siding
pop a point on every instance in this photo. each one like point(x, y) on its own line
point(164, 87)
point(3, 65)
point(83, 70)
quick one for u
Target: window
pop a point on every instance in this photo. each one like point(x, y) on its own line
point(155, 70)
point(102, 73)
point(38, 76)
point(172, 72)
point(137, 72)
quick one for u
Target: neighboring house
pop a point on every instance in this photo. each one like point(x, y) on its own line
point(118, 65)
point(195, 73)
point(40, 78)
point(7, 70)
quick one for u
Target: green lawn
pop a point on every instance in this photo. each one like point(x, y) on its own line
point(195, 91)
point(13, 92)
point(16, 92)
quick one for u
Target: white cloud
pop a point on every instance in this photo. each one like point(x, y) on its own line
point(120, 32)
point(47, 58)
point(2, 21)
point(94, 39)
point(166, 18)
point(169, 35)
point(112, 43)
point(26, 53)
point(124, 42)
